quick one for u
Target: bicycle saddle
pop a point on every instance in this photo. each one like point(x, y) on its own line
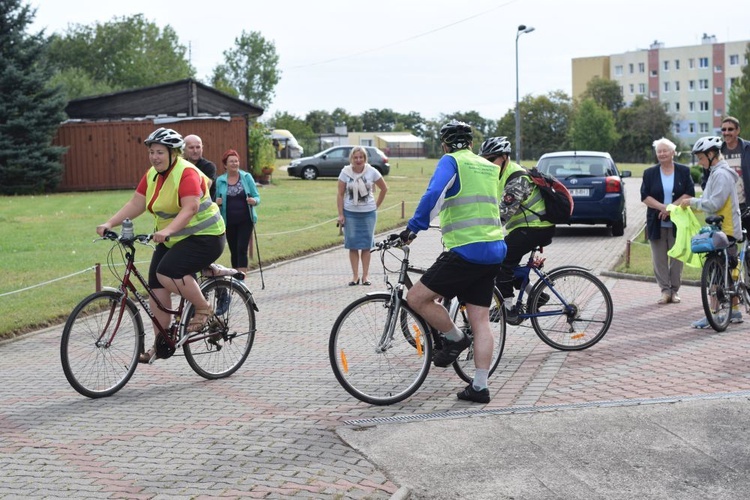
point(219, 270)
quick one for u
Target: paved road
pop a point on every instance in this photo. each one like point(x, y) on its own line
point(655, 410)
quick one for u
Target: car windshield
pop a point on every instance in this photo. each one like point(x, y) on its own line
point(567, 166)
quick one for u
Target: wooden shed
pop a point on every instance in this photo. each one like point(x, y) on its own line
point(105, 134)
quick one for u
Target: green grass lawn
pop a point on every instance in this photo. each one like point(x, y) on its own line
point(639, 262)
point(47, 254)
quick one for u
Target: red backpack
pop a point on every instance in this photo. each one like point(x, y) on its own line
point(558, 202)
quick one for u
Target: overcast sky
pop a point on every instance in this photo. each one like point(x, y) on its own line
point(431, 57)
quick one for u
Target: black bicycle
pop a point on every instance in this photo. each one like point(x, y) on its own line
point(381, 350)
point(724, 279)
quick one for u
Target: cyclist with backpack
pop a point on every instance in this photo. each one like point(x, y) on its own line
point(522, 210)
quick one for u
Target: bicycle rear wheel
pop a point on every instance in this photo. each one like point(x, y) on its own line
point(100, 344)
point(717, 302)
point(224, 345)
point(464, 365)
point(374, 363)
point(586, 318)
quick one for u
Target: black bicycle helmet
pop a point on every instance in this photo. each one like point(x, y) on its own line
point(456, 135)
point(706, 144)
point(494, 147)
point(166, 137)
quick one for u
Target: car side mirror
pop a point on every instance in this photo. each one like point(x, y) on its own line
point(325, 157)
point(625, 173)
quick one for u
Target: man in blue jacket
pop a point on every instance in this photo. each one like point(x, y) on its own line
point(465, 192)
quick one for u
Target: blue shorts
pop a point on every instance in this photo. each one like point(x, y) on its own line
point(453, 276)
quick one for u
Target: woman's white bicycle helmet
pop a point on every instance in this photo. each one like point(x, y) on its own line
point(166, 137)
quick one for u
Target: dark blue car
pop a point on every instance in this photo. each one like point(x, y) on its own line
point(596, 185)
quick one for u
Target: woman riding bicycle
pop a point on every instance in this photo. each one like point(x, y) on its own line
point(719, 198)
point(189, 229)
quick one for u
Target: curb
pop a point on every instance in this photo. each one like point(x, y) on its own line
point(638, 277)
point(401, 494)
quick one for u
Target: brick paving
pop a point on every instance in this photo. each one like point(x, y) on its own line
point(269, 431)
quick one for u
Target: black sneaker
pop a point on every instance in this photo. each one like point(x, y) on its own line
point(473, 395)
point(450, 351)
point(543, 299)
point(511, 316)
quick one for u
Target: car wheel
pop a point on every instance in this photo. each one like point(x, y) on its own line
point(618, 227)
point(309, 173)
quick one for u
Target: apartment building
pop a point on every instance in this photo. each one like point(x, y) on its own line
point(692, 82)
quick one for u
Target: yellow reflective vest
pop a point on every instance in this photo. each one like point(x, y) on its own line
point(531, 208)
point(166, 205)
point(472, 214)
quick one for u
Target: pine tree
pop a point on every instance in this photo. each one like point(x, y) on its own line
point(30, 111)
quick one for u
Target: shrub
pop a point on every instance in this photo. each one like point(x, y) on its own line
point(260, 151)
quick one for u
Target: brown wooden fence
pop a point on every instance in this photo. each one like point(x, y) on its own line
point(111, 155)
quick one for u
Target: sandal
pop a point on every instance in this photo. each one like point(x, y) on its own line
point(146, 357)
point(200, 319)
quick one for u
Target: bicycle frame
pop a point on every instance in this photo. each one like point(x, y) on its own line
point(127, 287)
point(397, 295)
point(524, 271)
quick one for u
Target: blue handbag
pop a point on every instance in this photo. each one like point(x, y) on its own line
point(708, 240)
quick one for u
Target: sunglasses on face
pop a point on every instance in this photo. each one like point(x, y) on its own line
point(728, 129)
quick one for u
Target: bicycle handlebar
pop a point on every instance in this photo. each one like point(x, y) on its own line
point(143, 239)
point(392, 241)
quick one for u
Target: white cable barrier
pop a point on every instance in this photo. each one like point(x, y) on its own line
point(325, 222)
point(93, 268)
point(48, 282)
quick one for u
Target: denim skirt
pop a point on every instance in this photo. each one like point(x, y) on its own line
point(359, 230)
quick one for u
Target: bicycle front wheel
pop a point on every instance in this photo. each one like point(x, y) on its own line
point(223, 347)
point(575, 313)
point(464, 365)
point(372, 357)
point(717, 302)
point(100, 344)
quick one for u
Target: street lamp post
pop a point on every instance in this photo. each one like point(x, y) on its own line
point(521, 29)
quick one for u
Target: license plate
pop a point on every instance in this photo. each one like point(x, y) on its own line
point(579, 192)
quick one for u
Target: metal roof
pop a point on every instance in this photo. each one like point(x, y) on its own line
point(182, 98)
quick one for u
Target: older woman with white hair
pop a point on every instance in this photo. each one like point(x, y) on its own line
point(664, 183)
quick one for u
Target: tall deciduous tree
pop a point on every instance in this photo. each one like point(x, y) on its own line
point(545, 121)
point(30, 110)
point(606, 93)
point(639, 125)
point(320, 121)
point(593, 127)
point(125, 53)
point(379, 120)
point(250, 68)
point(739, 96)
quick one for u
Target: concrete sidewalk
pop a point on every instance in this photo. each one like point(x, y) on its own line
point(655, 410)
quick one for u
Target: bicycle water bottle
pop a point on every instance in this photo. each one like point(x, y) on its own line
point(127, 230)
